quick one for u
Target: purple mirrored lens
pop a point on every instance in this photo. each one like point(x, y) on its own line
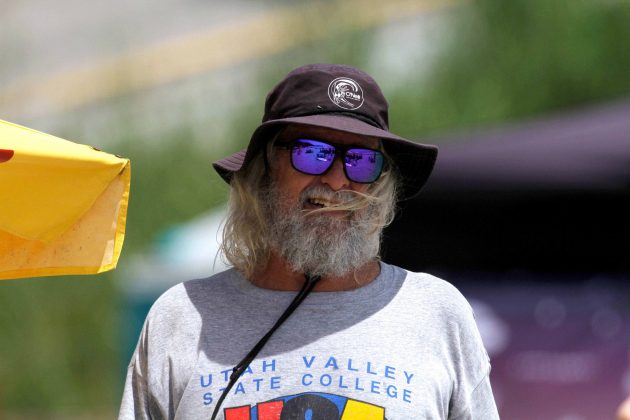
point(363, 165)
point(315, 157)
point(312, 157)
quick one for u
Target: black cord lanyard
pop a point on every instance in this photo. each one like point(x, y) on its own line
point(238, 370)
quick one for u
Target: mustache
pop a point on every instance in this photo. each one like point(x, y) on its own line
point(346, 200)
point(341, 198)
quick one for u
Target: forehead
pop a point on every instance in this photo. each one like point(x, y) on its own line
point(292, 132)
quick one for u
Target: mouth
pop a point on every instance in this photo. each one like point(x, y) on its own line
point(319, 203)
point(316, 203)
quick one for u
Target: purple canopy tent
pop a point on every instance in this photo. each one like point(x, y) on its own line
point(551, 194)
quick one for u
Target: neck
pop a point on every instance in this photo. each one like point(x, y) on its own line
point(277, 275)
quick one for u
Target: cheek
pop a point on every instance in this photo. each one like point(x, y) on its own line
point(296, 183)
point(362, 188)
point(290, 183)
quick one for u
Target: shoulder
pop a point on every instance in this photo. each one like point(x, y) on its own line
point(427, 287)
point(448, 311)
point(181, 303)
point(191, 289)
point(433, 298)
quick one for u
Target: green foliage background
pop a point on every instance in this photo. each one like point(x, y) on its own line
point(515, 59)
point(60, 348)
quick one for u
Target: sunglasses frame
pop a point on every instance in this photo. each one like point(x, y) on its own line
point(340, 152)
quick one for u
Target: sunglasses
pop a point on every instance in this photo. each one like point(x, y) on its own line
point(315, 157)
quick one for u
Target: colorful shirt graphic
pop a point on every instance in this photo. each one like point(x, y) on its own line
point(308, 406)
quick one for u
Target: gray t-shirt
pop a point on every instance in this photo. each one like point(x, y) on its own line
point(403, 347)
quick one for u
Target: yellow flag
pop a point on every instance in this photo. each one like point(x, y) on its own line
point(63, 205)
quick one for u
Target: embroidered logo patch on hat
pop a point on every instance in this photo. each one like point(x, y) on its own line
point(345, 93)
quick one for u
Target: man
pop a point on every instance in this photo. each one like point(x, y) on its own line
point(309, 324)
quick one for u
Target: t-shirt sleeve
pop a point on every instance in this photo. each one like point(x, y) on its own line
point(134, 402)
point(482, 405)
point(161, 364)
point(138, 401)
point(472, 397)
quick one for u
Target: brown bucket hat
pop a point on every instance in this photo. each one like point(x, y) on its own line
point(342, 98)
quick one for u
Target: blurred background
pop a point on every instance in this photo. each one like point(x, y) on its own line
point(527, 213)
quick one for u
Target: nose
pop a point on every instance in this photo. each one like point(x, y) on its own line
point(335, 177)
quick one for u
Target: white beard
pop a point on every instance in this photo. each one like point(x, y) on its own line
point(320, 243)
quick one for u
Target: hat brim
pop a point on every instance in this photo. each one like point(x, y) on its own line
point(414, 161)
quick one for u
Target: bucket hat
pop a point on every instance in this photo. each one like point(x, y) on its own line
point(338, 97)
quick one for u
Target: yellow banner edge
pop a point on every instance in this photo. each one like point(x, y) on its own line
point(82, 270)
